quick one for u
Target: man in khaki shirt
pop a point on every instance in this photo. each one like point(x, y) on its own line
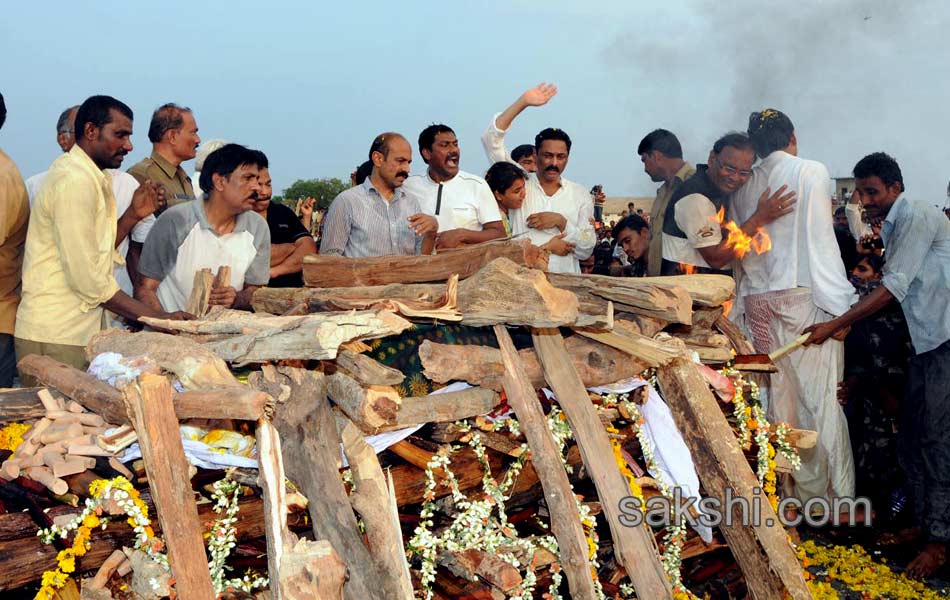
point(14, 216)
point(70, 246)
point(174, 136)
point(662, 158)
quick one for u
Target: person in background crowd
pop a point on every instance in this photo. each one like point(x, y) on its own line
point(14, 216)
point(524, 156)
point(662, 158)
point(217, 230)
point(359, 175)
point(507, 183)
point(632, 236)
point(847, 245)
point(557, 214)
point(379, 218)
point(68, 265)
point(461, 202)
point(289, 240)
point(202, 153)
point(799, 282)
point(916, 274)
point(691, 227)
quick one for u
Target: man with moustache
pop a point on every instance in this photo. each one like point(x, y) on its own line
point(378, 217)
point(289, 239)
point(662, 158)
point(217, 230)
point(70, 251)
point(461, 202)
point(557, 214)
point(692, 236)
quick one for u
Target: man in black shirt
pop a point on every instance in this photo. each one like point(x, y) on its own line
point(290, 240)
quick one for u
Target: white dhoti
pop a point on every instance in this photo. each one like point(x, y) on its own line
point(804, 391)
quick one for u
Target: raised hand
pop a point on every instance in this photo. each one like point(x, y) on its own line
point(540, 94)
point(146, 199)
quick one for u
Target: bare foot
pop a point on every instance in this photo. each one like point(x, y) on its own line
point(903, 536)
point(931, 558)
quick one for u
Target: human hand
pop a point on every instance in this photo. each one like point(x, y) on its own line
point(452, 238)
point(179, 315)
point(820, 332)
point(423, 225)
point(146, 199)
point(222, 296)
point(557, 245)
point(547, 220)
point(774, 206)
point(306, 207)
point(540, 94)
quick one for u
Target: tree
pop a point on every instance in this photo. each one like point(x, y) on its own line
point(324, 190)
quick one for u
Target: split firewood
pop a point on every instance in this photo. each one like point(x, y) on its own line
point(443, 308)
point(320, 270)
point(20, 404)
point(704, 338)
point(641, 325)
point(474, 564)
point(107, 569)
point(50, 403)
point(629, 294)
point(445, 407)
point(650, 351)
point(45, 476)
point(313, 571)
point(200, 293)
point(278, 301)
point(371, 407)
point(367, 370)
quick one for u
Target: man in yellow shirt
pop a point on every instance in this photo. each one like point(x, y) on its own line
point(70, 247)
point(14, 215)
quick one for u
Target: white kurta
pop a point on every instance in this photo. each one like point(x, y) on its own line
point(799, 282)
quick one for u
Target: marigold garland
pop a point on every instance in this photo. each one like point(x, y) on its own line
point(11, 436)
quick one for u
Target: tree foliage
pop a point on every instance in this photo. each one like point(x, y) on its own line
point(324, 190)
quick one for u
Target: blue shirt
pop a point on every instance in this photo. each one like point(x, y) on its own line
point(916, 239)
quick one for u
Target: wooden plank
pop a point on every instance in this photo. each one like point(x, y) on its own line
point(311, 452)
point(629, 294)
point(647, 350)
point(20, 404)
point(150, 404)
point(322, 270)
point(565, 518)
point(277, 301)
point(200, 292)
point(635, 547)
point(446, 407)
point(312, 571)
point(763, 551)
point(273, 493)
point(366, 370)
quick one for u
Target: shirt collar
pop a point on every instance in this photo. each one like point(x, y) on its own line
point(434, 182)
point(167, 168)
point(682, 173)
point(370, 189)
point(82, 159)
point(537, 182)
point(198, 206)
point(895, 209)
point(774, 158)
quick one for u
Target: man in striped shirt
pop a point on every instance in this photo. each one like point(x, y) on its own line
point(378, 217)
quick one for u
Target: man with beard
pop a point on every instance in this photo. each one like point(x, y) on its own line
point(70, 252)
point(557, 214)
point(461, 202)
point(378, 217)
point(289, 239)
point(799, 282)
point(692, 236)
point(662, 158)
point(219, 229)
point(917, 273)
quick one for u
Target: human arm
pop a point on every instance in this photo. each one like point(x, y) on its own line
point(454, 238)
point(306, 213)
point(280, 252)
point(771, 206)
point(147, 198)
point(869, 305)
point(292, 262)
point(336, 227)
point(493, 140)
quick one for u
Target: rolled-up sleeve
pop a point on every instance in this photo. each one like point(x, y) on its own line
point(80, 231)
point(493, 141)
point(336, 227)
point(906, 248)
point(259, 271)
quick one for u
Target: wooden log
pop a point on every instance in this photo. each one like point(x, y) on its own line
point(635, 548)
point(45, 476)
point(338, 271)
point(704, 338)
point(443, 308)
point(596, 363)
point(763, 552)
point(273, 492)
point(256, 338)
point(705, 290)
point(153, 415)
point(20, 404)
point(647, 326)
point(739, 342)
point(446, 407)
point(565, 518)
point(222, 278)
point(371, 407)
point(195, 365)
point(473, 564)
point(200, 293)
point(505, 292)
point(311, 449)
point(367, 370)
point(50, 403)
point(629, 294)
point(649, 351)
point(312, 571)
point(371, 498)
point(278, 301)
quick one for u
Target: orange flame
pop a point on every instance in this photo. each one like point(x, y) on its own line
point(739, 242)
point(686, 269)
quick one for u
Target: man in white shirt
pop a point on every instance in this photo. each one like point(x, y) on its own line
point(799, 282)
point(461, 202)
point(557, 214)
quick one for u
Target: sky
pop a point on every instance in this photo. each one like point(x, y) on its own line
point(311, 83)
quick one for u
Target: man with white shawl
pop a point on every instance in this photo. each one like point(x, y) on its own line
point(800, 282)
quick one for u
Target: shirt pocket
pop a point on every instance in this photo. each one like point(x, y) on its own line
point(465, 217)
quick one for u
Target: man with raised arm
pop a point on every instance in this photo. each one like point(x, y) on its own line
point(557, 214)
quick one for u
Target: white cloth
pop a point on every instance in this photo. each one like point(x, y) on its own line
point(696, 216)
point(804, 250)
point(467, 201)
point(493, 142)
point(804, 391)
point(856, 224)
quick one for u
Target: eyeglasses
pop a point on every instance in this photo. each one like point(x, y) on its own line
point(732, 170)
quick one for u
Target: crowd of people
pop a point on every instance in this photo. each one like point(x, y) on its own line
point(870, 283)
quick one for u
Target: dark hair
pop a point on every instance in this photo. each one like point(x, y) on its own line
point(502, 175)
point(62, 123)
point(224, 161)
point(3, 111)
point(734, 139)
point(770, 130)
point(875, 261)
point(363, 171)
point(552, 134)
point(882, 165)
point(381, 143)
point(97, 111)
point(522, 151)
point(632, 222)
point(260, 159)
point(427, 137)
point(167, 117)
point(840, 211)
point(661, 140)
